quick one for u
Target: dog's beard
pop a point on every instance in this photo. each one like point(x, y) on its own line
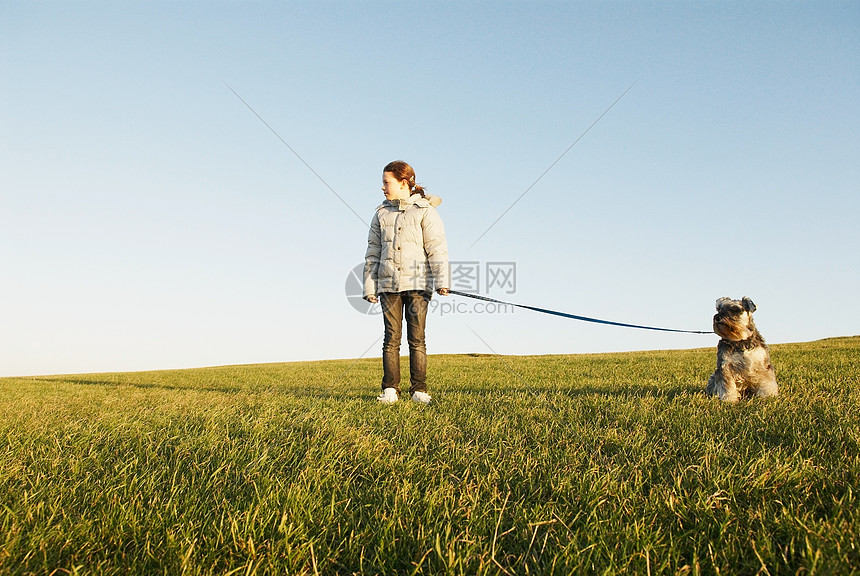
point(733, 331)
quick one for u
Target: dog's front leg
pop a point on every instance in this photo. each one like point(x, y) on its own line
point(722, 385)
point(714, 384)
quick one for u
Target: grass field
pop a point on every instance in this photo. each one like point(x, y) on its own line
point(592, 464)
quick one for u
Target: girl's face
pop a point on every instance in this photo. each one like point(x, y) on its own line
point(393, 188)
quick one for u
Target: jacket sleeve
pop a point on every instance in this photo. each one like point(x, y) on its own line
point(436, 248)
point(371, 257)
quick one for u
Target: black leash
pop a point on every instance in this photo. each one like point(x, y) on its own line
point(573, 316)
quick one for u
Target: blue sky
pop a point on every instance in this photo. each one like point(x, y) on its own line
point(149, 220)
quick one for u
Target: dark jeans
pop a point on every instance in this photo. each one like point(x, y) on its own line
point(413, 305)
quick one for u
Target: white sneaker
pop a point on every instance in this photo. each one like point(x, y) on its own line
point(422, 397)
point(388, 396)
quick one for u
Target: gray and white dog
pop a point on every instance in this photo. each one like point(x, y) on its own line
point(743, 360)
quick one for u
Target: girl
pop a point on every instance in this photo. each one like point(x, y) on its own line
point(406, 259)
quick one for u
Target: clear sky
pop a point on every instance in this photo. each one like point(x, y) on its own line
point(149, 220)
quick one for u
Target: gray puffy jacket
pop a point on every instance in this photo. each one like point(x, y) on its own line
point(406, 247)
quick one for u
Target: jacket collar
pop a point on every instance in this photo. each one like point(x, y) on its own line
point(404, 203)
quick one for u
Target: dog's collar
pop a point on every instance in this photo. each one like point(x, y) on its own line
point(750, 343)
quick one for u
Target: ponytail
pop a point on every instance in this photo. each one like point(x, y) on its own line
point(416, 188)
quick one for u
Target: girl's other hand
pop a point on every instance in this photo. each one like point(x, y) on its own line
point(372, 299)
point(442, 291)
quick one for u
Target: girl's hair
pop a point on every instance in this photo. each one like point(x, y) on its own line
point(403, 171)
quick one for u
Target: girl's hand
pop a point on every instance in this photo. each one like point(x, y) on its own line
point(442, 291)
point(372, 299)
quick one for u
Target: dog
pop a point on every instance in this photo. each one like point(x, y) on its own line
point(744, 368)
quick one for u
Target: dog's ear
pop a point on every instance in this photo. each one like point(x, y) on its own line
point(749, 305)
point(721, 301)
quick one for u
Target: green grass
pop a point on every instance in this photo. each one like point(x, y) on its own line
point(593, 464)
